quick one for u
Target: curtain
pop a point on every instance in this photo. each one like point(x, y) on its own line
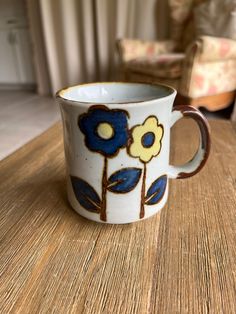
point(80, 35)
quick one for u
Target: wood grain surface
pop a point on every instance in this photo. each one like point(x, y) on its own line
point(182, 261)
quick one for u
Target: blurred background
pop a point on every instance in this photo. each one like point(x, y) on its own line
point(49, 44)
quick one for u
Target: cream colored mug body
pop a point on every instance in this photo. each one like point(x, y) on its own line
point(117, 144)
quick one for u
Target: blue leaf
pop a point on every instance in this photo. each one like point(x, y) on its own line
point(156, 191)
point(124, 180)
point(86, 195)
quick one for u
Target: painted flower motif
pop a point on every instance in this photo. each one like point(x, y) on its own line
point(105, 130)
point(146, 139)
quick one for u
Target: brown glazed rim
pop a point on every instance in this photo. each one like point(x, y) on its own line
point(59, 94)
point(196, 115)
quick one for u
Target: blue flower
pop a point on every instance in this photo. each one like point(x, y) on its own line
point(105, 130)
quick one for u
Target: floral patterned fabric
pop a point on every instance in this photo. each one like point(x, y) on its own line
point(208, 67)
point(164, 65)
point(130, 49)
point(207, 70)
point(216, 49)
point(210, 78)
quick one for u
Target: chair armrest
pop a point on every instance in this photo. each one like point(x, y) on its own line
point(213, 49)
point(209, 67)
point(129, 49)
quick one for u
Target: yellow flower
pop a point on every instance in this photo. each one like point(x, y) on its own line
point(146, 139)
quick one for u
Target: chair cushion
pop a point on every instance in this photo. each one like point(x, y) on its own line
point(163, 66)
point(209, 78)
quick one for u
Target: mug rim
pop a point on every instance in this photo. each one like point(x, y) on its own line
point(59, 94)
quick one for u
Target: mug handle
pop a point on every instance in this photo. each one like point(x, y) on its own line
point(193, 166)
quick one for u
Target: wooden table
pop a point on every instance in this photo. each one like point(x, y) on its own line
point(182, 261)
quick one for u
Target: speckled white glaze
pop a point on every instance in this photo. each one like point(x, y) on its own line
point(140, 101)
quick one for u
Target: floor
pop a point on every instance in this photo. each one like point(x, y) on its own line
point(24, 115)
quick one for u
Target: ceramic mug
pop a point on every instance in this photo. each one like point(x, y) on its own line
point(117, 143)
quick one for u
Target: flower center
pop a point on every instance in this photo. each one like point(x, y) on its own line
point(105, 130)
point(148, 139)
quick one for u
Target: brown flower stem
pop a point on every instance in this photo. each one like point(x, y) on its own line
point(142, 209)
point(103, 214)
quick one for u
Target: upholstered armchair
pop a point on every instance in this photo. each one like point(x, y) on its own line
point(202, 70)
